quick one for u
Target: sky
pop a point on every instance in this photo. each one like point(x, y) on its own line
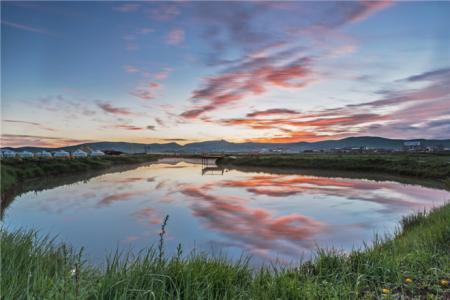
point(159, 72)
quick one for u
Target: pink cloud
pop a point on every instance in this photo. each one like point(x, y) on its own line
point(249, 78)
point(148, 215)
point(128, 127)
point(175, 36)
point(400, 113)
point(147, 92)
point(369, 7)
point(109, 108)
point(131, 69)
point(163, 74)
point(117, 197)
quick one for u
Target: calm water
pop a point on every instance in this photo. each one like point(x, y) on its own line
point(266, 215)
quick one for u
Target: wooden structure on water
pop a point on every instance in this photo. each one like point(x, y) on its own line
point(207, 157)
point(212, 170)
point(209, 166)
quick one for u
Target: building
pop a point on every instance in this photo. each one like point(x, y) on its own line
point(43, 154)
point(9, 153)
point(25, 154)
point(46, 154)
point(79, 153)
point(61, 153)
point(412, 145)
point(97, 153)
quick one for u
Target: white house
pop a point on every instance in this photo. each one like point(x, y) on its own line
point(97, 153)
point(61, 153)
point(25, 154)
point(43, 154)
point(79, 153)
point(9, 153)
point(46, 154)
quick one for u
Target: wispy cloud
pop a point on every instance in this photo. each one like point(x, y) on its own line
point(175, 36)
point(250, 77)
point(26, 28)
point(147, 92)
point(109, 108)
point(164, 11)
point(271, 57)
point(127, 7)
point(163, 74)
point(35, 124)
point(131, 69)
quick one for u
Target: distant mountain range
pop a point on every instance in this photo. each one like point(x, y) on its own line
point(224, 146)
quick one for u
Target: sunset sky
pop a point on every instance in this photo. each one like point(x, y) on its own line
point(149, 72)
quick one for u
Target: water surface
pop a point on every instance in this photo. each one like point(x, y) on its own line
point(224, 212)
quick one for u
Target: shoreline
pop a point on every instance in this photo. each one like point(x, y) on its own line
point(429, 167)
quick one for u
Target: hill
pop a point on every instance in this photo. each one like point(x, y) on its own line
point(225, 146)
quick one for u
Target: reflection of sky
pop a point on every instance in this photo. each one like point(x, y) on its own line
point(268, 216)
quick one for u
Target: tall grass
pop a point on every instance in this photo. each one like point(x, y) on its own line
point(413, 263)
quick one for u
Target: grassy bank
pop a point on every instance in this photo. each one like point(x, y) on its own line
point(415, 263)
point(430, 166)
point(16, 171)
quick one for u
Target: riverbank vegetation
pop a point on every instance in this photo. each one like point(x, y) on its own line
point(430, 166)
point(15, 171)
point(414, 264)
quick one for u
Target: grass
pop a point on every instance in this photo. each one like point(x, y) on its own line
point(431, 166)
point(413, 264)
point(16, 171)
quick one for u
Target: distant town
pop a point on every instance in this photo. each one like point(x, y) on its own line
point(349, 145)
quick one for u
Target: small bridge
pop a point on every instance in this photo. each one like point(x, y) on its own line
point(206, 157)
point(212, 155)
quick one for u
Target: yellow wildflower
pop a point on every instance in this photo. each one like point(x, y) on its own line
point(408, 280)
point(386, 291)
point(443, 282)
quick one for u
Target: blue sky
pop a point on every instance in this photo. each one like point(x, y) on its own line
point(240, 71)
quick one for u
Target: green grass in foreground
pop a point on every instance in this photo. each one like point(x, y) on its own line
point(433, 166)
point(14, 171)
point(414, 264)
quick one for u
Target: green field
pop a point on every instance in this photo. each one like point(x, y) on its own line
point(412, 264)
